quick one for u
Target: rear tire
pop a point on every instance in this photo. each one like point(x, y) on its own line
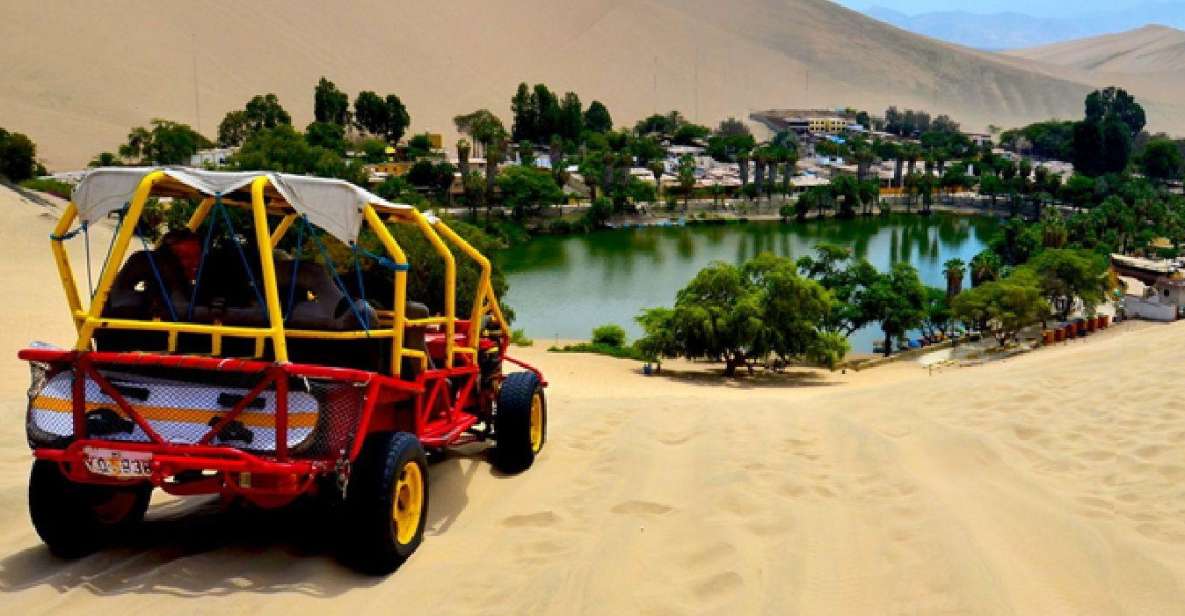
point(520, 423)
point(386, 504)
point(76, 519)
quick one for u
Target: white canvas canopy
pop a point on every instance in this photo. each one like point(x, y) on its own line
point(333, 205)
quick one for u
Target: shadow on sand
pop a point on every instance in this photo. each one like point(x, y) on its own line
point(760, 379)
point(200, 546)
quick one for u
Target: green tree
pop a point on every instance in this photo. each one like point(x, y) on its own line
point(690, 134)
point(523, 114)
point(264, 111)
point(937, 312)
point(737, 315)
point(165, 143)
point(330, 105)
point(659, 335)
point(485, 128)
point(571, 122)
point(382, 117)
point(234, 129)
point(609, 335)
point(399, 190)
point(849, 279)
point(954, 270)
point(985, 267)
point(1162, 160)
point(328, 135)
point(1003, 306)
point(104, 159)
point(686, 174)
point(18, 156)
point(527, 190)
point(1117, 103)
point(898, 300)
point(1064, 275)
point(283, 149)
point(597, 118)
point(1078, 191)
point(598, 213)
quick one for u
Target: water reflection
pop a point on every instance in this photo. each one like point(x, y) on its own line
point(565, 286)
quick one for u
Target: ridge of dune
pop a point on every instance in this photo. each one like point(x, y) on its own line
point(1049, 483)
point(1150, 49)
point(78, 76)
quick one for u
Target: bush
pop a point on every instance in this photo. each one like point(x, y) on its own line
point(560, 227)
point(49, 185)
point(598, 213)
point(620, 352)
point(609, 335)
point(18, 156)
point(519, 337)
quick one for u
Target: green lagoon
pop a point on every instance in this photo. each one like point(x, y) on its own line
point(563, 286)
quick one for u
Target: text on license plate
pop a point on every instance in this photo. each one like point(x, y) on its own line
point(113, 463)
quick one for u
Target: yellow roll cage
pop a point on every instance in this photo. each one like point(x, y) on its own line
point(265, 200)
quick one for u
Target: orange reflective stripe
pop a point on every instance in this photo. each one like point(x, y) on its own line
point(165, 413)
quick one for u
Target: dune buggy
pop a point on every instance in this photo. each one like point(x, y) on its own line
point(233, 358)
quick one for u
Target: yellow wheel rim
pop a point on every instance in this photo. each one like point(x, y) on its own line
point(409, 502)
point(536, 423)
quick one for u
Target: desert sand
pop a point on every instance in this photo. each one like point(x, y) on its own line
point(1047, 484)
point(1151, 49)
point(1149, 62)
point(78, 75)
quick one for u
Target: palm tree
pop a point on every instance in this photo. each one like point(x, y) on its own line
point(463, 148)
point(556, 154)
point(985, 267)
point(760, 158)
point(912, 153)
point(485, 128)
point(657, 168)
point(954, 269)
point(743, 164)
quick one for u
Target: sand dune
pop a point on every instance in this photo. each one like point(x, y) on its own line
point(1046, 484)
point(78, 75)
point(1149, 62)
point(1151, 49)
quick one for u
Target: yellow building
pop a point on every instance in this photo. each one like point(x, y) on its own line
point(829, 125)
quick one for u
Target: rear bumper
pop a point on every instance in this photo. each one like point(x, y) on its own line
point(265, 476)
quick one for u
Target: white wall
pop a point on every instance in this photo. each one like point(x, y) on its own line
point(1153, 311)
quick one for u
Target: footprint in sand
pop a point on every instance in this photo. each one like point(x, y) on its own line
point(709, 554)
point(1159, 532)
point(718, 586)
point(635, 507)
point(541, 519)
point(1149, 451)
point(1171, 471)
point(1025, 433)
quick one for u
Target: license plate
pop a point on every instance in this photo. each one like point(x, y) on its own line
point(113, 463)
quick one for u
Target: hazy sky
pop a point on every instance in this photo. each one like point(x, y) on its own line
point(1029, 7)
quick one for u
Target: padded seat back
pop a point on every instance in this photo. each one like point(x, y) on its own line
point(137, 295)
point(318, 303)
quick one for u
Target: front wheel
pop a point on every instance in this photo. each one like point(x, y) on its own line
point(387, 502)
point(520, 422)
point(75, 519)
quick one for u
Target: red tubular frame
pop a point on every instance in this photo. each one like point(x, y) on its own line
point(384, 401)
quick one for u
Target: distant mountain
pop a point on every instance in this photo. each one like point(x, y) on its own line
point(1147, 50)
point(1013, 30)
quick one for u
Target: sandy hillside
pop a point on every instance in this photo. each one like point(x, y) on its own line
point(1149, 62)
point(1152, 49)
point(77, 76)
point(1048, 484)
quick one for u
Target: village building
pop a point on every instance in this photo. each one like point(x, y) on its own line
point(1154, 289)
